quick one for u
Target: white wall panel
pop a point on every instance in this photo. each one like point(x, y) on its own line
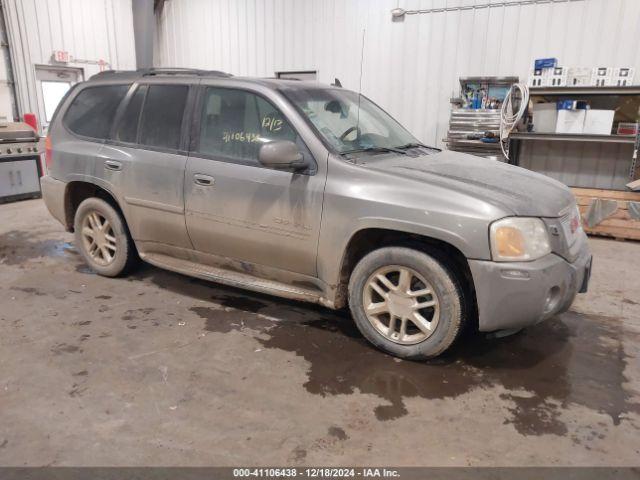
point(410, 68)
point(90, 30)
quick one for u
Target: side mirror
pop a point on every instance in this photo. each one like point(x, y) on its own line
point(282, 155)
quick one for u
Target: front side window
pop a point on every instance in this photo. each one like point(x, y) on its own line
point(348, 121)
point(91, 113)
point(161, 121)
point(235, 123)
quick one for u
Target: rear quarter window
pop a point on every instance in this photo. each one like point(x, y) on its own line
point(92, 111)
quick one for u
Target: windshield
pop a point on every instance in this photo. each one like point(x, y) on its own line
point(334, 113)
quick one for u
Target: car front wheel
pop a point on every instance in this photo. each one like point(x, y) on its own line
point(406, 302)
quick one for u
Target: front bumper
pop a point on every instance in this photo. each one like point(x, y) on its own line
point(517, 294)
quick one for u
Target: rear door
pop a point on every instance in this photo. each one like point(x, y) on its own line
point(78, 137)
point(235, 207)
point(146, 157)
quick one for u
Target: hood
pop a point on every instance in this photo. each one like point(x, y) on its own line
point(515, 189)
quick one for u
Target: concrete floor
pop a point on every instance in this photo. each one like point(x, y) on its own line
point(163, 369)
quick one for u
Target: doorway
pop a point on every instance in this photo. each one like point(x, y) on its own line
point(52, 83)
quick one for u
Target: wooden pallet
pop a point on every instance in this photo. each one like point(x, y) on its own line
point(619, 225)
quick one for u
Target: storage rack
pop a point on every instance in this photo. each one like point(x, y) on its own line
point(531, 149)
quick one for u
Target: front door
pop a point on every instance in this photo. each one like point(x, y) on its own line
point(236, 208)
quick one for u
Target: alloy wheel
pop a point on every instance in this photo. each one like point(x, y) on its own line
point(401, 305)
point(98, 238)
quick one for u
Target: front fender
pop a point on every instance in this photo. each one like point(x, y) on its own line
point(333, 246)
point(437, 233)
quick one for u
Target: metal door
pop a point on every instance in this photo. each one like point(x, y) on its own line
point(51, 85)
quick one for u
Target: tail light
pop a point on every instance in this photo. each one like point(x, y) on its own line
point(48, 152)
point(31, 120)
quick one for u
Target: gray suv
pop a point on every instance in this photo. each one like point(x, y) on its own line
point(313, 193)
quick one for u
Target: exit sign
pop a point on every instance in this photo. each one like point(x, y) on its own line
point(61, 56)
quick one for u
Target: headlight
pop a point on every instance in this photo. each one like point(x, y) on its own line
point(518, 239)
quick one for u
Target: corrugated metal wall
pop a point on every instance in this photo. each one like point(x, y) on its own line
point(90, 30)
point(411, 68)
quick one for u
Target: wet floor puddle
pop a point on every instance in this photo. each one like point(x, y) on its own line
point(572, 359)
point(18, 247)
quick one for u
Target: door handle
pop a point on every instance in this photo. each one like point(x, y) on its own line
point(112, 165)
point(203, 180)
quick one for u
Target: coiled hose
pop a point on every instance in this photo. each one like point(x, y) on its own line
point(509, 119)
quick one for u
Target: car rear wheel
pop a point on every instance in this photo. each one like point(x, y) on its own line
point(103, 239)
point(406, 302)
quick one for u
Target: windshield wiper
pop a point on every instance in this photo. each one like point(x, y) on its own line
point(375, 149)
point(406, 146)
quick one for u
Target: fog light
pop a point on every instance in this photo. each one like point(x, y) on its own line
point(552, 300)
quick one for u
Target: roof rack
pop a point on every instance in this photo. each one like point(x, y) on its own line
point(182, 71)
point(147, 72)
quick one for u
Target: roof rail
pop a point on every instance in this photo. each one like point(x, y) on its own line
point(144, 72)
point(182, 71)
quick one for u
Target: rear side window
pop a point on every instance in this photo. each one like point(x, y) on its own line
point(91, 112)
point(128, 125)
point(161, 122)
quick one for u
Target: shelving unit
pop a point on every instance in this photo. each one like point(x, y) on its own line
point(582, 91)
point(595, 166)
point(573, 137)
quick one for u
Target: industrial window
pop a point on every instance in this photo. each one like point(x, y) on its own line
point(298, 75)
point(91, 112)
point(235, 123)
point(161, 122)
point(52, 93)
point(128, 125)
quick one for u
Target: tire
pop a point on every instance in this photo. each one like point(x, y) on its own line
point(444, 305)
point(121, 248)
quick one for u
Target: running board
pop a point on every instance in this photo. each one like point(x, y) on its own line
point(235, 279)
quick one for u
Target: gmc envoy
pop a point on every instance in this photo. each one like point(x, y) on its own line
point(313, 193)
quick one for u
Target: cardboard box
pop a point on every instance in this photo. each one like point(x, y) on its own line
point(579, 76)
point(570, 121)
point(545, 117)
point(598, 122)
point(540, 63)
point(557, 77)
point(601, 76)
point(628, 128)
point(622, 76)
point(539, 77)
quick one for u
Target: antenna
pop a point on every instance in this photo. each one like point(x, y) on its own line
point(364, 30)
